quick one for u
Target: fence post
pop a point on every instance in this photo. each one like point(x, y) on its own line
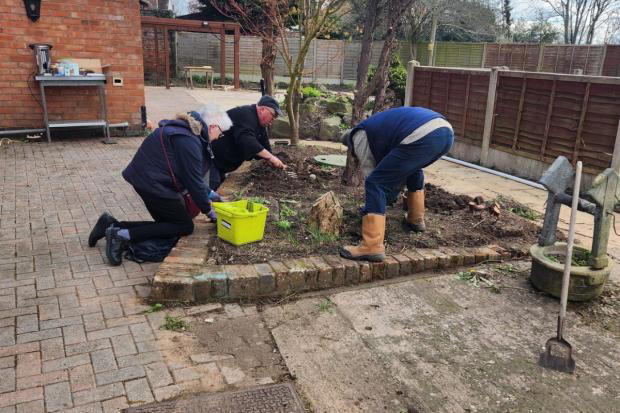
point(615, 159)
point(409, 85)
point(342, 44)
point(484, 54)
point(600, 72)
point(488, 117)
point(314, 60)
point(541, 57)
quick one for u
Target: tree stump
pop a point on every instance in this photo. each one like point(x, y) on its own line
point(326, 214)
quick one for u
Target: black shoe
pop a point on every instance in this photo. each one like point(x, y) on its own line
point(105, 220)
point(115, 246)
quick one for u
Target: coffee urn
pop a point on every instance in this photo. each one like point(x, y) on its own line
point(43, 57)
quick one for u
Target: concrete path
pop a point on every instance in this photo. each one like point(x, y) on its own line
point(162, 103)
point(441, 345)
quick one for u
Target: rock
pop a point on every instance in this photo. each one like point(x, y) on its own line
point(312, 177)
point(326, 214)
point(281, 128)
point(311, 100)
point(347, 118)
point(307, 107)
point(339, 107)
point(330, 129)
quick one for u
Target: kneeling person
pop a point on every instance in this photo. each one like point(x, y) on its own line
point(393, 147)
point(173, 159)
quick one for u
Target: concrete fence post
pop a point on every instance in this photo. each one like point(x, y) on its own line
point(541, 57)
point(489, 115)
point(615, 159)
point(603, 59)
point(409, 85)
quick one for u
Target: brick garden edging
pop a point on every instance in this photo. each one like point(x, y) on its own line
point(185, 275)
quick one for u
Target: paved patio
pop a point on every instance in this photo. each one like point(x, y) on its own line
point(73, 330)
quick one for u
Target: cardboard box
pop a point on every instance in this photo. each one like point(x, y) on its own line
point(93, 65)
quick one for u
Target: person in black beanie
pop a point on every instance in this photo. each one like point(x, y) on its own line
point(246, 140)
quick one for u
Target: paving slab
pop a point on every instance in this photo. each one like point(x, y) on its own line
point(440, 345)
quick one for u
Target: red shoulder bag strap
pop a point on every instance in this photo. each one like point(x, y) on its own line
point(163, 147)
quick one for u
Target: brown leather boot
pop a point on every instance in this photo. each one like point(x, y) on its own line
point(414, 220)
point(371, 248)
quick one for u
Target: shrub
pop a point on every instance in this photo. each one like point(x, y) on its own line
point(310, 92)
point(397, 76)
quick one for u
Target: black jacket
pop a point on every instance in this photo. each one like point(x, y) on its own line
point(242, 142)
point(187, 145)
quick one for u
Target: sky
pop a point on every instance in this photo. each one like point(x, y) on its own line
point(522, 9)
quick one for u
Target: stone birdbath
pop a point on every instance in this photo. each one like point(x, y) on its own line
point(590, 270)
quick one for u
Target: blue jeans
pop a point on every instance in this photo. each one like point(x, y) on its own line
point(404, 163)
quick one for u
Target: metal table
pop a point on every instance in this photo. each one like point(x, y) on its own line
point(75, 81)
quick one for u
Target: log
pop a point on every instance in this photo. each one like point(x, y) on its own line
point(326, 214)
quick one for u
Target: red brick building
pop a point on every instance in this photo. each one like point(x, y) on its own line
point(108, 30)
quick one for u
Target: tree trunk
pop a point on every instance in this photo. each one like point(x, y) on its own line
point(382, 69)
point(352, 175)
point(292, 106)
point(267, 63)
point(370, 24)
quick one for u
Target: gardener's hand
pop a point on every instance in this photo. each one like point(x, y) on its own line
point(276, 162)
point(212, 215)
point(214, 197)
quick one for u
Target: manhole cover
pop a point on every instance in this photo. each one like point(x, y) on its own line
point(277, 398)
point(332, 160)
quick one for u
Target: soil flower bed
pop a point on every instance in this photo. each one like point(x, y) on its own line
point(450, 219)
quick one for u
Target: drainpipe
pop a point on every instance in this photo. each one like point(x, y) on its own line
point(20, 131)
point(494, 172)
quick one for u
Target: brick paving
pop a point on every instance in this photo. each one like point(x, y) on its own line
point(74, 334)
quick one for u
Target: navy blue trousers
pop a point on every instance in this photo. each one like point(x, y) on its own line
point(404, 163)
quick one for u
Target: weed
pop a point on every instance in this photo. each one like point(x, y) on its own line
point(509, 268)
point(283, 224)
point(522, 210)
point(286, 211)
point(258, 200)
point(478, 279)
point(319, 237)
point(240, 193)
point(292, 239)
point(580, 258)
point(175, 324)
point(325, 305)
point(153, 308)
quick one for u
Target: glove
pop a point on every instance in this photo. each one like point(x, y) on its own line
point(215, 197)
point(212, 215)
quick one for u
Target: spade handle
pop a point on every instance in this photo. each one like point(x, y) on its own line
point(569, 250)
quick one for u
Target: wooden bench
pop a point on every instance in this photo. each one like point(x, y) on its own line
point(190, 71)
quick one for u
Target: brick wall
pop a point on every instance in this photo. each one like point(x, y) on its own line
point(108, 30)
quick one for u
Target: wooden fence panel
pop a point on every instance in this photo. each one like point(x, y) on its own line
point(566, 58)
point(459, 95)
point(612, 61)
point(328, 64)
point(543, 116)
point(514, 56)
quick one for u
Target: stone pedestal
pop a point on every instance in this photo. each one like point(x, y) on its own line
point(546, 275)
